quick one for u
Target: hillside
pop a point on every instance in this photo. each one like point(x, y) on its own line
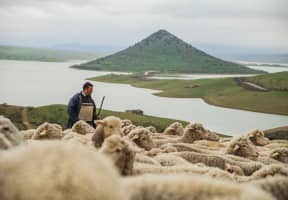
point(165, 52)
point(225, 92)
point(275, 81)
point(42, 54)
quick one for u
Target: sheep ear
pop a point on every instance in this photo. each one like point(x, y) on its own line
point(236, 147)
point(275, 154)
point(102, 122)
point(42, 133)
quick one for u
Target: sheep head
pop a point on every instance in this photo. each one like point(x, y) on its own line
point(193, 132)
point(10, 136)
point(242, 147)
point(257, 137)
point(48, 131)
point(111, 126)
point(142, 137)
point(121, 152)
point(82, 127)
point(280, 154)
point(175, 128)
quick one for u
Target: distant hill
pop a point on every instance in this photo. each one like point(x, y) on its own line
point(42, 54)
point(274, 81)
point(165, 52)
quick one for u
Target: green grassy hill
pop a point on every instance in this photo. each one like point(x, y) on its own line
point(275, 81)
point(164, 52)
point(223, 92)
point(42, 54)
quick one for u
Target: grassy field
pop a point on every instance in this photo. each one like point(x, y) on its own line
point(221, 92)
point(275, 81)
point(43, 54)
point(57, 114)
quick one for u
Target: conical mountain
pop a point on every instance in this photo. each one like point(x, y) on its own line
point(164, 52)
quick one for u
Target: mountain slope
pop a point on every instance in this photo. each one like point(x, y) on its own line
point(164, 52)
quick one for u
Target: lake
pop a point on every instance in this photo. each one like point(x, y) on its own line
point(33, 83)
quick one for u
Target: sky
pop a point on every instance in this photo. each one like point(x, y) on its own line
point(217, 25)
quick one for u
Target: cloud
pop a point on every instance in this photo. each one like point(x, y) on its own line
point(257, 23)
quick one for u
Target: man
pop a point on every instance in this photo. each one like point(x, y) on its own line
point(82, 107)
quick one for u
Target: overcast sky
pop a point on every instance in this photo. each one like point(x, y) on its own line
point(259, 24)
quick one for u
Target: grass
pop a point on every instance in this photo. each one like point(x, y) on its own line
point(42, 54)
point(221, 92)
point(57, 114)
point(275, 81)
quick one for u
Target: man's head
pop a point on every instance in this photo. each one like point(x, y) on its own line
point(87, 88)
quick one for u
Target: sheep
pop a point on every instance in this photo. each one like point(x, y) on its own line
point(270, 170)
point(125, 122)
point(192, 187)
point(280, 154)
point(9, 134)
point(48, 131)
point(127, 129)
point(257, 137)
point(27, 134)
point(140, 158)
point(242, 147)
point(67, 171)
point(108, 126)
point(176, 128)
point(276, 186)
point(192, 132)
point(152, 129)
point(219, 161)
point(76, 137)
point(166, 159)
point(82, 127)
point(234, 169)
point(121, 152)
point(141, 137)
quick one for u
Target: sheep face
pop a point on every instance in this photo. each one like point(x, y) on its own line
point(82, 127)
point(120, 152)
point(48, 131)
point(242, 147)
point(142, 137)
point(9, 132)
point(258, 138)
point(125, 122)
point(127, 129)
point(111, 125)
point(280, 154)
point(234, 169)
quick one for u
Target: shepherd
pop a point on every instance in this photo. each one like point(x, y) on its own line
point(82, 107)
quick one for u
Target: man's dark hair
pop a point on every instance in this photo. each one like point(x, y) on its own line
point(87, 85)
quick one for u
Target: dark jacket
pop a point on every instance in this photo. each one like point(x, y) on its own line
point(73, 109)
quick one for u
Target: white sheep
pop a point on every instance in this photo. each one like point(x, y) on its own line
point(82, 127)
point(127, 129)
point(276, 186)
point(121, 152)
point(257, 137)
point(125, 122)
point(55, 170)
point(110, 125)
point(242, 147)
point(48, 131)
point(9, 134)
point(142, 137)
point(176, 128)
point(192, 187)
point(280, 154)
point(27, 134)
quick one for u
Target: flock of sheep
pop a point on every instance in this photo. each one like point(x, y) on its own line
point(119, 160)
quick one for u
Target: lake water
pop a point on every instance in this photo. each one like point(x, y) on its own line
point(35, 83)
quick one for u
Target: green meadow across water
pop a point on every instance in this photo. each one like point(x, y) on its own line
point(223, 92)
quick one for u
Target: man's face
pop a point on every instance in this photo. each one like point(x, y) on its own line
point(88, 91)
